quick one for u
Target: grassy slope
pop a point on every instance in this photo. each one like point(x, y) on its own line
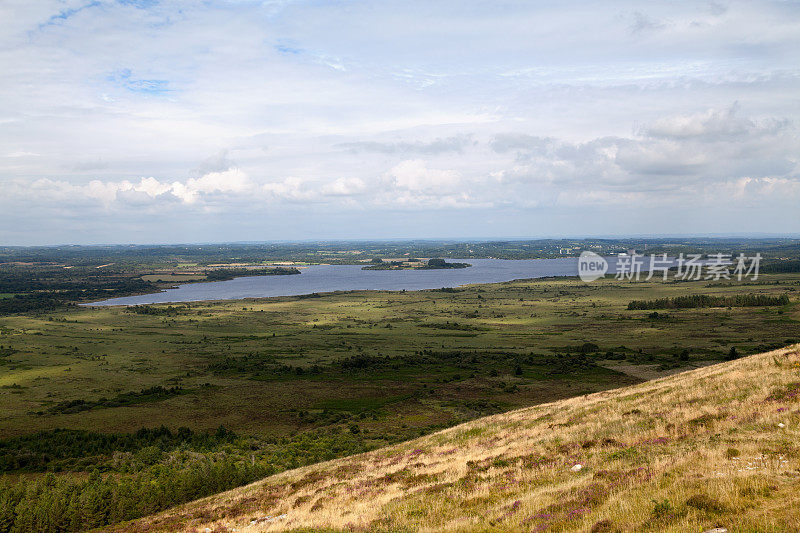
point(683, 453)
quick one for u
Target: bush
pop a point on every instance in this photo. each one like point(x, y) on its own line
point(603, 526)
point(732, 354)
point(662, 508)
point(704, 502)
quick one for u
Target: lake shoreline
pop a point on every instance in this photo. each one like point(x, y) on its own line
point(330, 279)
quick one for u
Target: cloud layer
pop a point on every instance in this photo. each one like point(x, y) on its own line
point(156, 121)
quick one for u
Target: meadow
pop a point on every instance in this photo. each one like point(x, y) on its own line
point(260, 386)
point(410, 361)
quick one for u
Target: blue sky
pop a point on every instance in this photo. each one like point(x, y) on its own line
point(168, 121)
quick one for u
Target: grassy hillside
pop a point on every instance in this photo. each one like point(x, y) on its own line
point(714, 447)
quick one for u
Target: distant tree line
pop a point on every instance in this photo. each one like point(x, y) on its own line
point(776, 267)
point(138, 256)
point(705, 300)
point(169, 310)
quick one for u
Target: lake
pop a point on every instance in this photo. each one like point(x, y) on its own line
point(329, 278)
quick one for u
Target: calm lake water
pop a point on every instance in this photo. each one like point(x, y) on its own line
point(328, 278)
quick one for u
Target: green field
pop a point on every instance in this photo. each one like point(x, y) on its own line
point(303, 379)
point(413, 360)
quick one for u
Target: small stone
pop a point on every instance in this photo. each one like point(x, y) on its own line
point(577, 468)
point(717, 530)
point(781, 425)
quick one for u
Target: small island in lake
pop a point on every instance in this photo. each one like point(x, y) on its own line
point(225, 274)
point(413, 264)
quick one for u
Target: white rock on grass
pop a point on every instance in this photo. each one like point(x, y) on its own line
point(577, 468)
point(781, 425)
point(717, 530)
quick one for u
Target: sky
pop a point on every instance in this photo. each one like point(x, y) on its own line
point(146, 121)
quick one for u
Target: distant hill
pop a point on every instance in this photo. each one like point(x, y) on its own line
point(716, 447)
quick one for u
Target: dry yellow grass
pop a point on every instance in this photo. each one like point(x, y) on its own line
point(716, 446)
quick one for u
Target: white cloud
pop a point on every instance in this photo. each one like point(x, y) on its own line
point(672, 152)
point(344, 187)
point(21, 154)
point(671, 160)
point(414, 175)
point(455, 143)
point(107, 193)
point(291, 189)
point(712, 124)
point(229, 181)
